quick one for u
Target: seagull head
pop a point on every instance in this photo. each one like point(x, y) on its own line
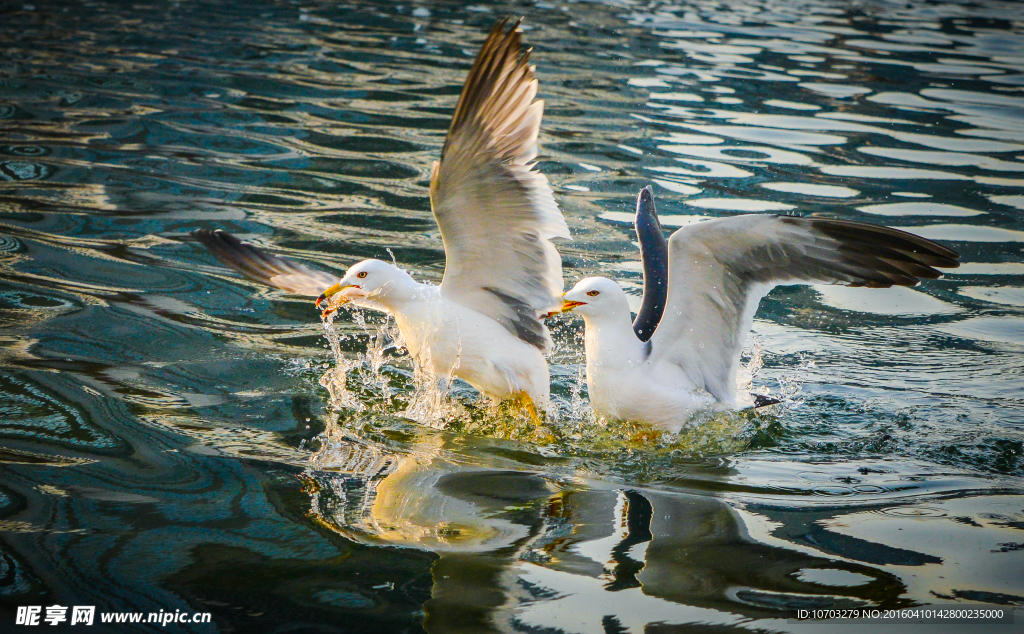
point(369, 280)
point(594, 297)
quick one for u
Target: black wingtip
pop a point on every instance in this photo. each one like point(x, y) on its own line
point(654, 255)
point(206, 236)
point(646, 196)
point(263, 267)
point(215, 240)
point(646, 212)
point(895, 257)
point(501, 27)
point(760, 400)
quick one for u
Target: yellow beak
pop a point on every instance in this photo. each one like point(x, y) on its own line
point(330, 292)
point(567, 305)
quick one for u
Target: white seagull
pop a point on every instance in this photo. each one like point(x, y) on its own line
point(717, 272)
point(497, 216)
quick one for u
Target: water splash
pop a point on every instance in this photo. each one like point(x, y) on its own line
point(383, 338)
point(384, 379)
point(355, 382)
point(429, 402)
point(747, 373)
point(335, 380)
point(580, 410)
point(376, 383)
point(788, 385)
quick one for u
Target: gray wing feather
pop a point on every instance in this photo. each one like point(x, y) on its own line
point(265, 268)
point(497, 214)
point(720, 269)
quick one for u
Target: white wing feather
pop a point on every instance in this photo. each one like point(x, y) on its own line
point(497, 214)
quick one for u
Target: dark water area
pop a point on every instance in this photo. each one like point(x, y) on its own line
point(166, 442)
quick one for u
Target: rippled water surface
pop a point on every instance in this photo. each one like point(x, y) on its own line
point(166, 440)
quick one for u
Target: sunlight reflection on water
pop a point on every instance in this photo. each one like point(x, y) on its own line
point(193, 437)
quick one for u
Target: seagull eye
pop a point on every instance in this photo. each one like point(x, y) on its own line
point(362, 274)
point(594, 293)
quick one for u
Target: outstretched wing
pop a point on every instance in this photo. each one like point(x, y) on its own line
point(260, 266)
point(497, 214)
point(720, 269)
point(654, 256)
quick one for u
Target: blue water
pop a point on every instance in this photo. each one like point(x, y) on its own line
point(166, 442)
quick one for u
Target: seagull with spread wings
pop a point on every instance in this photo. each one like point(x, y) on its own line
point(497, 216)
point(701, 290)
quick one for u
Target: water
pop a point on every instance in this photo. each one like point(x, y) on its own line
point(166, 440)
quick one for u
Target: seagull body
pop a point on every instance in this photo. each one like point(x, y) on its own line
point(718, 271)
point(623, 381)
point(448, 338)
point(497, 216)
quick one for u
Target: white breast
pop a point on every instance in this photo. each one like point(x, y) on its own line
point(450, 339)
point(624, 385)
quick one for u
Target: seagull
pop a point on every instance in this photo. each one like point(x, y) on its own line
point(497, 215)
point(682, 353)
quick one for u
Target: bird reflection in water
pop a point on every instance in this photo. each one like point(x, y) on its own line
point(521, 549)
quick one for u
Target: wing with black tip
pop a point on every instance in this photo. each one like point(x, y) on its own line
point(720, 269)
point(654, 256)
point(265, 268)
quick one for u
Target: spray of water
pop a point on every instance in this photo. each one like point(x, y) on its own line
point(574, 415)
point(377, 382)
point(429, 402)
point(335, 380)
point(788, 385)
point(748, 372)
point(382, 380)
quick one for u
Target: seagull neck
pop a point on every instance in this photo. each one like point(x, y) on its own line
point(609, 338)
point(399, 292)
